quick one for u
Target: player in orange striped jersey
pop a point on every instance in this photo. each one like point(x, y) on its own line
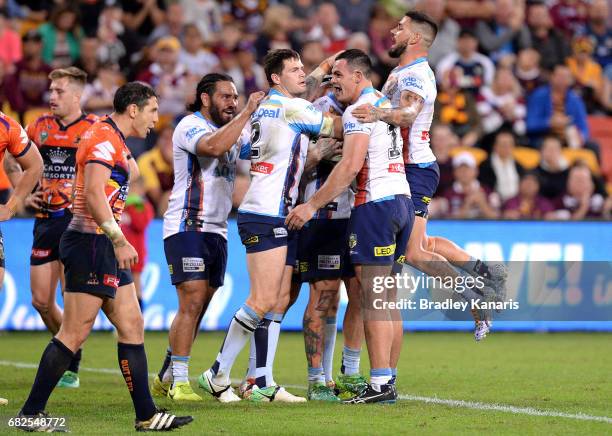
point(57, 135)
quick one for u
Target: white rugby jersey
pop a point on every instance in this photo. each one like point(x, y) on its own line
point(415, 77)
point(278, 153)
point(201, 197)
point(340, 207)
point(382, 174)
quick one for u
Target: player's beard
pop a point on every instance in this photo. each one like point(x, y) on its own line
point(397, 51)
point(217, 118)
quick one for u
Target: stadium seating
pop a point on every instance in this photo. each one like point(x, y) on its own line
point(478, 153)
point(527, 157)
point(601, 131)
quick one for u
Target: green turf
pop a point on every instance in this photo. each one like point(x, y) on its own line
point(567, 372)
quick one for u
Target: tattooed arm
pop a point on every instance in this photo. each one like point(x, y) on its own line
point(403, 116)
point(314, 79)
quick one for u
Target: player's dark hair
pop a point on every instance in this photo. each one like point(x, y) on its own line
point(207, 85)
point(424, 19)
point(132, 93)
point(357, 60)
point(274, 62)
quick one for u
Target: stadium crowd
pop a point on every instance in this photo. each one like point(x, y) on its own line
point(524, 87)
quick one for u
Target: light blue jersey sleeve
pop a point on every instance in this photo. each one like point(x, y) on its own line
point(303, 117)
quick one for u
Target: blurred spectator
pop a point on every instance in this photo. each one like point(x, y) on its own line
point(528, 204)
point(457, 108)
point(472, 70)
point(547, 40)
point(27, 87)
point(379, 31)
point(328, 29)
point(209, 18)
point(248, 75)
point(469, 12)
point(303, 9)
point(580, 199)
point(443, 140)
point(275, 31)
point(600, 32)
point(167, 76)
point(10, 43)
point(249, 12)
point(173, 24)
point(98, 96)
point(588, 75)
point(156, 170)
point(198, 60)
point(527, 70)
point(467, 198)
point(13, 9)
point(143, 16)
point(553, 168)
point(500, 171)
point(354, 14)
point(118, 44)
point(312, 55)
point(448, 30)
point(88, 59)
point(569, 16)
point(556, 109)
point(89, 11)
point(61, 37)
point(506, 33)
point(136, 218)
point(502, 104)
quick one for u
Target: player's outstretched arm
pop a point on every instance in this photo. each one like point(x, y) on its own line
point(339, 179)
point(324, 148)
point(32, 164)
point(403, 116)
point(315, 78)
point(222, 140)
point(96, 176)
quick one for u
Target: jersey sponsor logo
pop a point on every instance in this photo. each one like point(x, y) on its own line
point(43, 136)
point(171, 268)
point(104, 150)
point(280, 232)
point(303, 266)
point(189, 134)
point(389, 250)
point(396, 168)
point(426, 200)
point(39, 253)
point(93, 280)
point(425, 135)
point(352, 242)
point(193, 264)
point(111, 280)
point(329, 262)
point(350, 126)
point(57, 156)
point(251, 240)
point(412, 82)
point(262, 167)
point(268, 113)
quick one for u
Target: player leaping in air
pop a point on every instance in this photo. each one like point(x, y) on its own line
point(277, 161)
point(411, 87)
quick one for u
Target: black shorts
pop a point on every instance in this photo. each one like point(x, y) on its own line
point(47, 234)
point(323, 252)
point(261, 233)
point(196, 256)
point(423, 180)
point(90, 265)
point(1, 250)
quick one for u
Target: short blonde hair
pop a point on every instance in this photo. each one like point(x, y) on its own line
point(74, 74)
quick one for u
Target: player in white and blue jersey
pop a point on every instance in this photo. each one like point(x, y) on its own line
point(411, 87)
point(205, 147)
point(382, 216)
point(278, 152)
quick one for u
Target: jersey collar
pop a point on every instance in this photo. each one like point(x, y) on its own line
point(110, 121)
point(367, 90)
point(414, 62)
point(210, 123)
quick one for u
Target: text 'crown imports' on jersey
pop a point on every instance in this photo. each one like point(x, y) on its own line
point(416, 77)
point(382, 174)
point(278, 153)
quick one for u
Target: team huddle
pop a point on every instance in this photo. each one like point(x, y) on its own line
point(341, 177)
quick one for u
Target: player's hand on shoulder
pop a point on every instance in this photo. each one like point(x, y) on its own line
point(299, 216)
point(365, 113)
point(329, 148)
point(35, 200)
point(254, 100)
point(125, 253)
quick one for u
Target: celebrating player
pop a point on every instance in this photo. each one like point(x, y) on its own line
point(195, 224)
point(57, 136)
point(277, 160)
point(411, 87)
point(97, 258)
point(383, 213)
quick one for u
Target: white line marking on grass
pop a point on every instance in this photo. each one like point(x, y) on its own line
point(430, 400)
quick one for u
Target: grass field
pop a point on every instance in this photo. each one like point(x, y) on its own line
point(549, 382)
